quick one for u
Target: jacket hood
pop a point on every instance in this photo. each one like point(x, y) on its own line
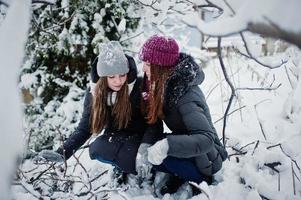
point(187, 73)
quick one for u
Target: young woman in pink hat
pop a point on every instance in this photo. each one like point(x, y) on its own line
point(192, 151)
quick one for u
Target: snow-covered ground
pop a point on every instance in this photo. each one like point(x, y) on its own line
point(263, 141)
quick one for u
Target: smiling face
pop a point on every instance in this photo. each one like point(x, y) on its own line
point(146, 69)
point(115, 82)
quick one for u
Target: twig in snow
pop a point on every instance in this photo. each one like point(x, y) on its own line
point(43, 172)
point(256, 145)
point(294, 161)
point(272, 166)
point(99, 175)
point(87, 174)
point(239, 153)
point(293, 176)
point(260, 123)
point(248, 145)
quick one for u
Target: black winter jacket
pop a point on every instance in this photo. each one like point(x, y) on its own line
point(187, 116)
point(118, 147)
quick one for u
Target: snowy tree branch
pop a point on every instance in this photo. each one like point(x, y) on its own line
point(49, 2)
point(250, 56)
point(4, 3)
point(64, 151)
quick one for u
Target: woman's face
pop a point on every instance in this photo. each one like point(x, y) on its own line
point(115, 82)
point(146, 69)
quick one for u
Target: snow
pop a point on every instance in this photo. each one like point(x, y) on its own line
point(262, 136)
point(13, 34)
point(254, 11)
point(243, 176)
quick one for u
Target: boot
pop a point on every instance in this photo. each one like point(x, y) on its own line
point(172, 185)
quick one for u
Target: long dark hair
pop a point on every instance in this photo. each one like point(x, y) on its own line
point(101, 114)
point(153, 106)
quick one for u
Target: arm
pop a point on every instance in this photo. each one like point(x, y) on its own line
point(82, 132)
point(198, 139)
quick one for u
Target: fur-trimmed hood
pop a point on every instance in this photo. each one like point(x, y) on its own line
point(187, 73)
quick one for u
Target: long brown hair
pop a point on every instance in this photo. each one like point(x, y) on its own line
point(101, 113)
point(153, 107)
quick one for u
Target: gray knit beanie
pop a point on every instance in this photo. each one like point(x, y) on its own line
point(111, 59)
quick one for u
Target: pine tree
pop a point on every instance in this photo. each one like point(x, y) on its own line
point(62, 43)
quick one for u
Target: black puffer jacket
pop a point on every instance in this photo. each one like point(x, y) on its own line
point(116, 146)
point(187, 116)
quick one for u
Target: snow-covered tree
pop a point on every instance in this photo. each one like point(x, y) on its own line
point(62, 43)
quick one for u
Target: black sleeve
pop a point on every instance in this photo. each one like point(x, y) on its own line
point(198, 139)
point(82, 132)
point(153, 132)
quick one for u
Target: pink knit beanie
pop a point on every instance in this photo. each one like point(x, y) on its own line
point(159, 50)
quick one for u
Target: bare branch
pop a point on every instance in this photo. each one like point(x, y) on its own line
point(43, 172)
point(131, 37)
point(248, 144)
point(4, 3)
point(250, 56)
point(87, 174)
point(267, 88)
point(150, 5)
point(260, 124)
point(43, 1)
point(230, 7)
point(293, 176)
point(293, 160)
point(210, 5)
point(229, 114)
point(219, 53)
point(256, 145)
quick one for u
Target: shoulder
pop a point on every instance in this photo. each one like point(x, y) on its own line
point(194, 94)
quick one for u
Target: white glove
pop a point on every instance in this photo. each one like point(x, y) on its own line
point(51, 156)
point(158, 152)
point(143, 166)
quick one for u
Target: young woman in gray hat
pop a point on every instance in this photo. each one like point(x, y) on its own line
point(112, 105)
